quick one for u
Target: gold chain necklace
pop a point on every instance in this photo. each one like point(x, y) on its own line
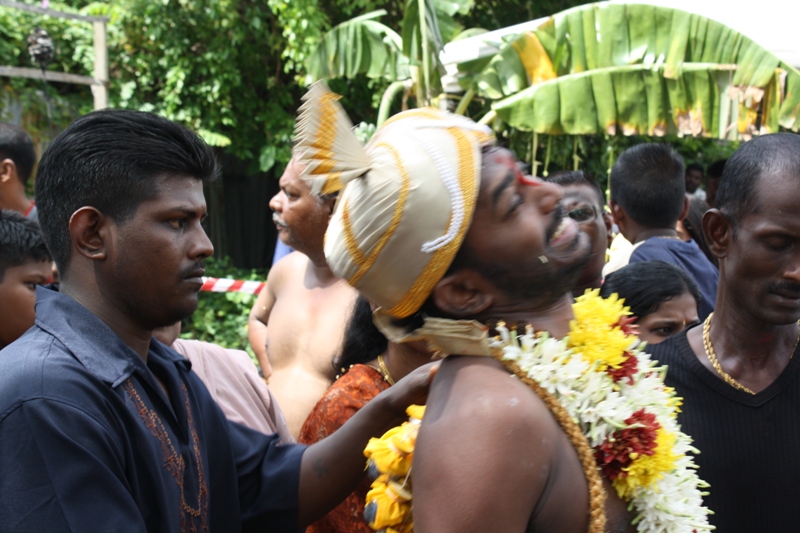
point(385, 371)
point(712, 356)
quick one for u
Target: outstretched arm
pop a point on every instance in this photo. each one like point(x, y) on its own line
point(332, 468)
point(257, 324)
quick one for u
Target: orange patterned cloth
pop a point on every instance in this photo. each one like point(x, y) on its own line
point(345, 397)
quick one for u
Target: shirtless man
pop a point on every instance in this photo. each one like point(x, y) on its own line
point(442, 231)
point(297, 322)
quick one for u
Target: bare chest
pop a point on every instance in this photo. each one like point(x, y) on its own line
point(306, 327)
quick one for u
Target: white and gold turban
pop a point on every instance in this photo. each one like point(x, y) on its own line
point(407, 201)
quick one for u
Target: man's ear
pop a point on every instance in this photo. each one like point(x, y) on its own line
point(331, 205)
point(609, 222)
point(618, 214)
point(89, 230)
point(685, 210)
point(8, 170)
point(718, 232)
point(465, 293)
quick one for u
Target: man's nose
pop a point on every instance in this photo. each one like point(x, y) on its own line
point(275, 202)
point(202, 247)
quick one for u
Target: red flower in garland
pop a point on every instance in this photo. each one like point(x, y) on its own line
point(615, 453)
point(627, 370)
point(627, 325)
point(630, 365)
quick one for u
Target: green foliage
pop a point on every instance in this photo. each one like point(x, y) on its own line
point(597, 153)
point(71, 55)
point(640, 69)
point(361, 45)
point(221, 317)
point(225, 68)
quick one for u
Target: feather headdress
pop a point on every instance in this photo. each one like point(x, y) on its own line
point(325, 143)
point(407, 198)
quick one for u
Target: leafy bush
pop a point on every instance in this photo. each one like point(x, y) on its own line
point(221, 317)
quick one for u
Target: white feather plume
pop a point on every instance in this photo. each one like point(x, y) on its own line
point(325, 143)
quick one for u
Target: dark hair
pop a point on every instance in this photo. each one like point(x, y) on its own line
point(765, 154)
point(715, 169)
point(363, 341)
point(648, 182)
point(565, 178)
point(21, 241)
point(694, 166)
point(111, 160)
point(693, 223)
point(648, 284)
point(17, 146)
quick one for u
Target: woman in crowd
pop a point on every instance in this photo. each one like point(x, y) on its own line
point(662, 297)
point(368, 364)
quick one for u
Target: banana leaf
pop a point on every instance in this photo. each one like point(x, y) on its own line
point(361, 45)
point(637, 69)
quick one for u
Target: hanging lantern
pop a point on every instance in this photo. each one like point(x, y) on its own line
point(40, 47)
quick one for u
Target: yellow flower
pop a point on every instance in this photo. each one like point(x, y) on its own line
point(645, 470)
point(387, 504)
point(393, 452)
point(674, 402)
point(416, 411)
point(595, 334)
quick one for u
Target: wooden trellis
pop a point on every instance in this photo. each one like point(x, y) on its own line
point(98, 82)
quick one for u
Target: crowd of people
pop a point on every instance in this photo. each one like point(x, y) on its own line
point(429, 243)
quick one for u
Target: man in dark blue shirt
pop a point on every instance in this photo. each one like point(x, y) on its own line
point(103, 428)
point(648, 197)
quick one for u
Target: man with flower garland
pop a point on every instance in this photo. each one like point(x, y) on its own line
point(737, 372)
point(445, 235)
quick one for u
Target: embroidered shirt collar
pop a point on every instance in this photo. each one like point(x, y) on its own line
point(91, 341)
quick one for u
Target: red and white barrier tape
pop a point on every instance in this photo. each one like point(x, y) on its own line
point(231, 285)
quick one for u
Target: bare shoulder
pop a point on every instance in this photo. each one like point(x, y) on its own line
point(285, 270)
point(479, 391)
point(482, 428)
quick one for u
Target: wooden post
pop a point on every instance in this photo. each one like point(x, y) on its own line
point(100, 91)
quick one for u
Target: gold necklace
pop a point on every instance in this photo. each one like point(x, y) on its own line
point(385, 371)
point(712, 356)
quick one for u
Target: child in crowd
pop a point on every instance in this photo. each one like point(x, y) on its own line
point(24, 264)
point(648, 198)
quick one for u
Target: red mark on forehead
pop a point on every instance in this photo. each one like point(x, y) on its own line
point(506, 158)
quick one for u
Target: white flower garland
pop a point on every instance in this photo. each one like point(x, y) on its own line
point(600, 406)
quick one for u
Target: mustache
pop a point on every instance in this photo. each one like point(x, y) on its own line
point(787, 288)
point(558, 216)
point(276, 218)
point(194, 270)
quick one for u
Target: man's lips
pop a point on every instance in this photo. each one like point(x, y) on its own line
point(278, 221)
point(195, 276)
point(565, 234)
point(789, 297)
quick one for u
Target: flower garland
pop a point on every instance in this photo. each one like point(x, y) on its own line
point(603, 382)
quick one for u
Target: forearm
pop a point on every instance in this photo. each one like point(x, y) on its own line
point(332, 468)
